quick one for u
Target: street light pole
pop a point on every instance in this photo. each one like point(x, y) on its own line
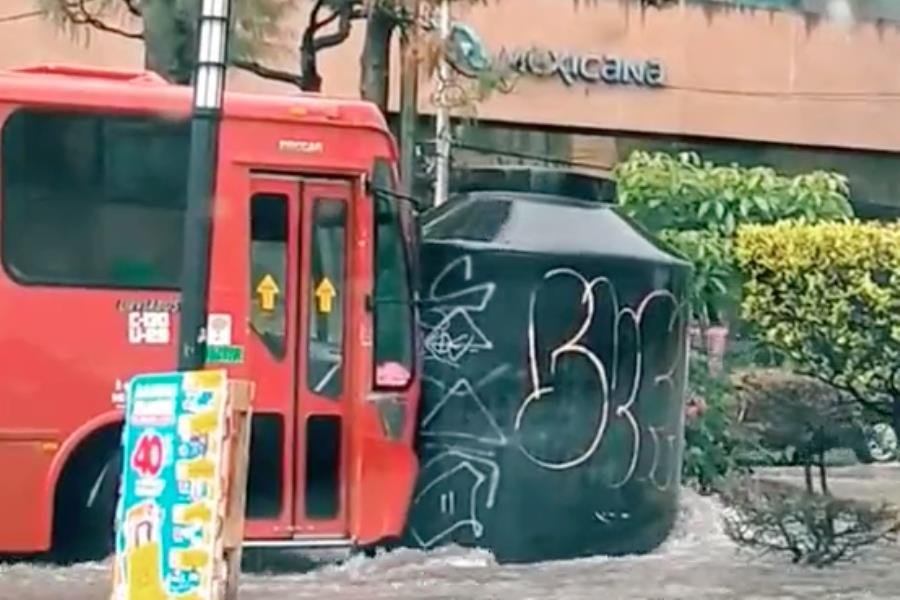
point(442, 117)
point(209, 88)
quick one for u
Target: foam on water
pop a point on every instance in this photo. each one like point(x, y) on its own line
point(404, 560)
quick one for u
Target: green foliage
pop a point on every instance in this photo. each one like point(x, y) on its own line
point(826, 296)
point(696, 207)
point(685, 193)
point(711, 450)
point(713, 285)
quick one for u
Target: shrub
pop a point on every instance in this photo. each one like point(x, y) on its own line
point(826, 296)
point(780, 410)
point(712, 450)
point(696, 207)
point(811, 529)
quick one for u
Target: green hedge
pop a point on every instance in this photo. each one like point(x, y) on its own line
point(826, 296)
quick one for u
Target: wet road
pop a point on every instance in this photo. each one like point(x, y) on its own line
point(697, 563)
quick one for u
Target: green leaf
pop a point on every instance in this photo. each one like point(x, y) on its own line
point(719, 285)
point(729, 223)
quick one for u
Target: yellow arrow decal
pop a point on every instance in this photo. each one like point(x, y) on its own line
point(267, 291)
point(325, 294)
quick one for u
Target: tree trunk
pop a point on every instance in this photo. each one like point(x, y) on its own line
point(310, 80)
point(169, 33)
point(375, 60)
point(409, 105)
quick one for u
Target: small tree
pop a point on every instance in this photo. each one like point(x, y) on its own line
point(826, 297)
point(696, 206)
point(779, 410)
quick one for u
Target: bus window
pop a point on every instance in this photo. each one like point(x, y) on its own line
point(268, 268)
point(327, 289)
point(265, 484)
point(393, 314)
point(81, 209)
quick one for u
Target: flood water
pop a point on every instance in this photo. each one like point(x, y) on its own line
point(698, 562)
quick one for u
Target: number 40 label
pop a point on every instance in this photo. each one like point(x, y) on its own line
point(147, 458)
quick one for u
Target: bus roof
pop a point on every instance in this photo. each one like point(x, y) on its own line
point(143, 91)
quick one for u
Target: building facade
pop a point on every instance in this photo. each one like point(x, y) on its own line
point(796, 84)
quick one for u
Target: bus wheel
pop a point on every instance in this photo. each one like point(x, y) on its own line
point(84, 516)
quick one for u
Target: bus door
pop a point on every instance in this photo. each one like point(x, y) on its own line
point(297, 491)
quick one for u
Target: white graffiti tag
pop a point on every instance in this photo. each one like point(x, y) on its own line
point(449, 314)
point(467, 470)
point(606, 376)
point(668, 443)
point(464, 436)
point(467, 420)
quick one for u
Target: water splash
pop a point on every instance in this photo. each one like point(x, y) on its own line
point(700, 525)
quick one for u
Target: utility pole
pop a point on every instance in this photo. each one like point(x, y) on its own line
point(209, 90)
point(409, 98)
point(442, 117)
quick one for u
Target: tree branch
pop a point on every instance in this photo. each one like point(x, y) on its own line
point(346, 13)
point(268, 72)
point(835, 368)
point(333, 39)
point(77, 13)
point(854, 393)
point(132, 7)
point(310, 44)
point(315, 24)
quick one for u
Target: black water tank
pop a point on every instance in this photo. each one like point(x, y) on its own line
point(537, 180)
point(551, 424)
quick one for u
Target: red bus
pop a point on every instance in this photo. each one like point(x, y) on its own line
point(311, 297)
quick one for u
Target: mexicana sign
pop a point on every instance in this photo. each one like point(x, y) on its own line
point(469, 57)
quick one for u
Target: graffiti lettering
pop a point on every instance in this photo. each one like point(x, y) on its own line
point(607, 384)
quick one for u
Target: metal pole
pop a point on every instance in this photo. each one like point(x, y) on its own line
point(209, 88)
point(442, 119)
point(409, 98)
